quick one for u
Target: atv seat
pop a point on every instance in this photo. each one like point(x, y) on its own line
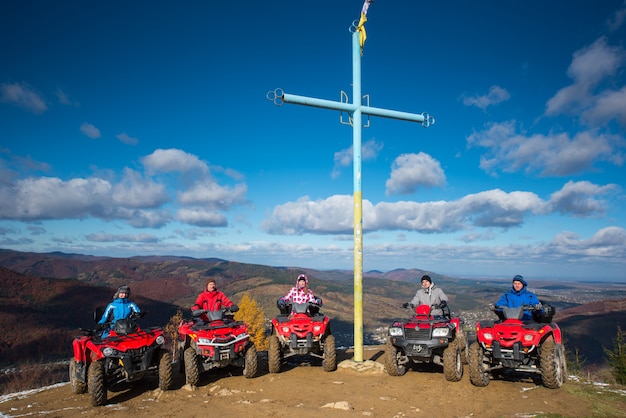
point(486, 324)
point(203, 326)
point(282, 318)
point(318, 317)
point(533, 325)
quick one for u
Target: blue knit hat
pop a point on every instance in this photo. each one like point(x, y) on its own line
point(519, 278)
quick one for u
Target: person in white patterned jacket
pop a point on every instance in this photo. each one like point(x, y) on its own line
point(300, 293)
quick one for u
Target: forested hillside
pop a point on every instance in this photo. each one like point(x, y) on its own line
point(46, 298)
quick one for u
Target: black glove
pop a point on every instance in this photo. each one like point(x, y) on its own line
point(406, 305)
point(318, 301)
point(197, 312)
point(233, 308)
point(443, 304)
point(280, 303)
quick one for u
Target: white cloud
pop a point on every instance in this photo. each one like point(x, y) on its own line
point(137, 199)
point(331, 215)
point(548, 155)
point(210, 194)
point(22, 95)
point(122, 238)
point(490, 208)
point(607, 242)
point(135, 192)
point(90, 130)
point(411, 171)
point(496, 95)
point(343, 158)
point(590, 66)
point(616, 21)
point(579, 198)
point(201, 217)
point(64, 98)
point(52, 198)
point(127, 139)
point(141, 218)
point(170, 160)
point(609, 105)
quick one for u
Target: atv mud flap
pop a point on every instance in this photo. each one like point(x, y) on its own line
point(80, 371)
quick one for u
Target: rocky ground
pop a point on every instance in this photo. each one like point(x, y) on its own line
point(305, 390)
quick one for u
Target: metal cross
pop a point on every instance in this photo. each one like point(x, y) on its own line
point(355, 111)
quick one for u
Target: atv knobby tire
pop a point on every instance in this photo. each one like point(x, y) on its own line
point(461, 338)
point(329, 363)
point(77, 386)
point(391, 361)
point(96, 383)
point(479, 375)
point(181, 359)
point(192, 371)
point(551, 364)
point(251, 363)
point(165, 370)
point(453, 361)
point(274, 354)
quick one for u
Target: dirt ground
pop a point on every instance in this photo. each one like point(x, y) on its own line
point(305, 390)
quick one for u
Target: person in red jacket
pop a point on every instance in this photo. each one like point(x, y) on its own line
point(211, 299)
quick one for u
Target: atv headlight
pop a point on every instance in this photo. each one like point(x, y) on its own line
point(160, 340)
point(285, 329)
point(440, 332)
point(528, 337)
point(204, 341)
point(317, 328)
point(395, 332)
point(488, 336)
point(109, 352)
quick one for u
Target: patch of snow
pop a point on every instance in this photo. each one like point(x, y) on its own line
point(26, 393)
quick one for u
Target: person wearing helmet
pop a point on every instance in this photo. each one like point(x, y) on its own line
point(300, 293)
point(431, 295)
point(211, 299)
point(519, 295)
point(120, 308)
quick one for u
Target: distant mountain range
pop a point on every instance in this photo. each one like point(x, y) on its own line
point(46, 297)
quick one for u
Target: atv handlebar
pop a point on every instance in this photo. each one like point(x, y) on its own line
point(441, 305)
point(197, 312)
point(536, 307)
point(282, 303)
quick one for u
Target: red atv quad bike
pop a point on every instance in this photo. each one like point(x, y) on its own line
point(425, 338)
point(512, 345)
point(219, 342)
point(304, 331)
point(126, 354)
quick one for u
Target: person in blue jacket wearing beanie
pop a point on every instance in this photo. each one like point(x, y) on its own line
point(518, 296)
point(120, 308)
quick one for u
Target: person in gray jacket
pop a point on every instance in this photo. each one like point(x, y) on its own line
point(430, 295)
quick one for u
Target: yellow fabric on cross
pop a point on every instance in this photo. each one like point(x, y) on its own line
point(361, 29)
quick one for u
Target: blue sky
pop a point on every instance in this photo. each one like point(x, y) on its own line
point(141, 128)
